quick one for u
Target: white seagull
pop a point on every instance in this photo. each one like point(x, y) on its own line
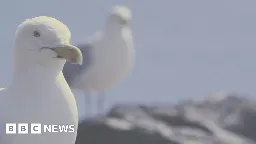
point(108, 57)
point(39, 92)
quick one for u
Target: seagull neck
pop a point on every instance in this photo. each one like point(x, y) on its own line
point(35, 73)
point(113, 28)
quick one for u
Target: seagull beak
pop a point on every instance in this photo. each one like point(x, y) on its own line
point(70, 53)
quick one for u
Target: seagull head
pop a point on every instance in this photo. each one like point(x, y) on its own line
point(121, 14)
point(45, 41)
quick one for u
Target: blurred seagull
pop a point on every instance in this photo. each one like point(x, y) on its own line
point(107, 57)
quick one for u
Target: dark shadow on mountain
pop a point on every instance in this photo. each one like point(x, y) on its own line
point(221, 119)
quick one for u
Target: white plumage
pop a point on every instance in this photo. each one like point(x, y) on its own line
point(39, 92)
point(108, 55)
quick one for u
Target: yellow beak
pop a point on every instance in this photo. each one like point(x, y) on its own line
point(70, 53)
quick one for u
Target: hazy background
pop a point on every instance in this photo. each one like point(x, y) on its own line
point(185, 49)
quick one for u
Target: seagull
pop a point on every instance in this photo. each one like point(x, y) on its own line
point(39, 92)
point(108, 56)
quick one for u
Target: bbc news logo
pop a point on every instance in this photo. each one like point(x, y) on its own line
point(36, 128)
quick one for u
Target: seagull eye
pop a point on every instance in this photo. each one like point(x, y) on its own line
point(36, 34)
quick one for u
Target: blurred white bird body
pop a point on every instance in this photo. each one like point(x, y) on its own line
point(112, 58)
point(108, 56)
point(39, 92)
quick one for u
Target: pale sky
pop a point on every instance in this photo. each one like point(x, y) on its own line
point(185, 48)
